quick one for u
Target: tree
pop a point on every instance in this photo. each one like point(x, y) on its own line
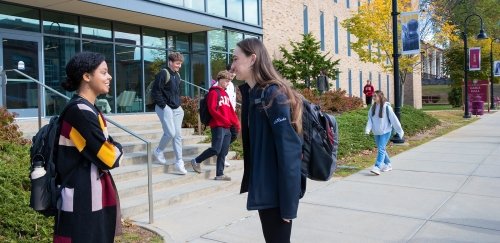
point(372, 26)
point(304, 62)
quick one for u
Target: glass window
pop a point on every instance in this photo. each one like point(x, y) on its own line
point(199, 64)
point(235, 9)
point(348, 3)
point(217, 40)
point(337, 81)
point(232, 39)
point(154, 61)
point(153, 37)
point(360, 83)
point(349, 80)
point(306, 21)
point(336, 34)
point(322, 30)
point(218, 62)
point(19, 18)
point(178, 42)
point(216, 7)
point(128, 34)
point(348, 43)
point(57, 52)
point(96, 29)
point(388, 89)
point(185, 73)
point(379, 81)
point(251, 11)
point(107, 50)
point(199, 41)
point(60, 24)
point(251, 36)
point(198, 5)
point(128, 80)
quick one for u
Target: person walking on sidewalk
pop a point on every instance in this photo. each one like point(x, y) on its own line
point(368, 91)
point(381, 121)
point(166, 96)
point(272, 145)
point(223, 118)
point(322, 82)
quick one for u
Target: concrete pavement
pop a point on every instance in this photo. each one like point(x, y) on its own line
point(447, 190)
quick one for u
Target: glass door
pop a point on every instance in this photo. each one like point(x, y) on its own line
point(21, 52)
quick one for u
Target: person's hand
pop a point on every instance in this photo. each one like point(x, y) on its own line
point(287, 221)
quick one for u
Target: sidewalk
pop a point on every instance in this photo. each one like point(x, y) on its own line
point(447, 190)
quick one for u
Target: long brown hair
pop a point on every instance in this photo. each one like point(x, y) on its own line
point(381, 102)
point(264, 74)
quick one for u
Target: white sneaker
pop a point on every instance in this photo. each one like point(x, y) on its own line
point(227, 164)
point(375, 170)
point(160, 157)
point(179, 167)
point(387, 167)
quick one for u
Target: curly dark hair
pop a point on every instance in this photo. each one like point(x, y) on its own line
point(79, 64)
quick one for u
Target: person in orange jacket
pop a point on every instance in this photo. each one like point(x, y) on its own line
point(223, 118)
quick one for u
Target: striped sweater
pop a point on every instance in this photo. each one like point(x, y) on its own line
point(90, 205)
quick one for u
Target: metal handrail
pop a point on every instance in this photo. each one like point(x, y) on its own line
point(148, 143)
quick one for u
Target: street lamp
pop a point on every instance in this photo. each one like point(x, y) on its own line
point(492, 99)
point(481, 35)
point(397, 82)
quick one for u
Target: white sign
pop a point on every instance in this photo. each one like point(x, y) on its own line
point(496, 69)
point(410, 36)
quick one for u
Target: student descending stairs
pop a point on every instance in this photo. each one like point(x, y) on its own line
point(169, 189)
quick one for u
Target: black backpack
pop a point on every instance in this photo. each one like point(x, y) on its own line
point(320, 140)
point(205, 116)
point(46, 190)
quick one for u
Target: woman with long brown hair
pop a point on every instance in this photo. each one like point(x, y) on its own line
point(271, 140)
point(381, 121)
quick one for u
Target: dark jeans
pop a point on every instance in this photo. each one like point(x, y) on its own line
point(274, 228)
point(368, 100)
point(221, 137)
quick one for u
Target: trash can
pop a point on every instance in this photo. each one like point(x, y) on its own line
point(477, 106)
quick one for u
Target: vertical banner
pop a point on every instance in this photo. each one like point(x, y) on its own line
point(410, 36)
point(475, 59)
point(496, 69)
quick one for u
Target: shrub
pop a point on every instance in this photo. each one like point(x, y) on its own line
point(333, 101)
point(9, 131)
point(190, 107)
point(455, 97)
point(18, 222)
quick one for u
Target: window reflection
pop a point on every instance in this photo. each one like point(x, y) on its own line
point(19, 18)
point(128, 79)
point(154, 61)
point(235, 9)
point(153, 37)
point(128, 34)
point(216, 7)
point(60, 24)
point(251, 11)
point(105, 102)
point(96, 29)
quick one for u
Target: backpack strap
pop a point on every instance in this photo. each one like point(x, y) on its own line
point(167, 79)
point(261, 100)
point(218, 98)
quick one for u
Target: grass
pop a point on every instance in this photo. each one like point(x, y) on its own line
point(449, 119)
point(435, 89)
point(439, 107)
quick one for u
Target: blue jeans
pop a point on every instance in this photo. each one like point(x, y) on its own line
point(171, 122)
point(382, 156)
point(221, 138)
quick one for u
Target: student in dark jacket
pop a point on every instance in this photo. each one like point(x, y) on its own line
point(272, 144)
point(223, 118)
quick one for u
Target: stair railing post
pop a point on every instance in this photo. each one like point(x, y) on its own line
point(150, 182)
point(199, 120)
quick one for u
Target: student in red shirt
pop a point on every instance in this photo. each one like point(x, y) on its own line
point(223, 118)
point(368, 90)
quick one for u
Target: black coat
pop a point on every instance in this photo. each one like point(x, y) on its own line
point(272, 152)
point(164, 93)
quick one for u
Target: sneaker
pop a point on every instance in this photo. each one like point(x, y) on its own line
point(386, 168)
point(160, 157)
point(179, 167)
point(222, 178)
point(196, 166)
point(227, 164)
point(375, 170)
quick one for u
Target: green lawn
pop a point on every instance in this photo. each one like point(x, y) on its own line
point(438, 107)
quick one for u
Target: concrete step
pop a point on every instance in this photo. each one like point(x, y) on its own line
point(142, 157)
point(128, 172)
point(138, 145)
point(171, 189)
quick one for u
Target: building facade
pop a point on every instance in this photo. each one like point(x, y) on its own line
point(287, 20)
point(134, 35)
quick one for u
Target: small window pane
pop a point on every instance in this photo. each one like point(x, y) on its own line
point(128, 79)
point(178, 42)
point(153, 37)
point(217, 40)
point(251, 11)
point(154, 61)
point(198, 5)
point(199, 41)
point(234, 9)
point(60, 24)
point(128, 34)
point(96, 29)
point(19, 18)
point(218, 63)
point(216, 7)
point(233, 38)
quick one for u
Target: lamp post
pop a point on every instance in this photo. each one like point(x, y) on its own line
point(397, 82)
point(492, 98)
point(481, 35)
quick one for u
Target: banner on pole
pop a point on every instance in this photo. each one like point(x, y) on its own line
point(409, 33)
point(496, 69)
point(475, 59)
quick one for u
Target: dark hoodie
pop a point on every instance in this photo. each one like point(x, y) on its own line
point(164, 93)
